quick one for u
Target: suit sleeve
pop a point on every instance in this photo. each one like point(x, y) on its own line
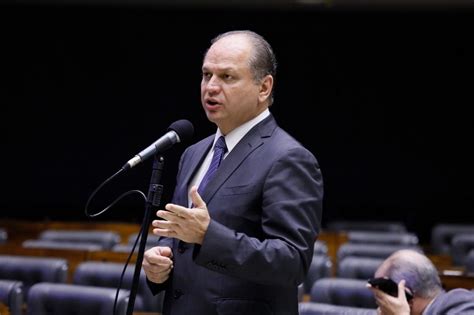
point(291, 217)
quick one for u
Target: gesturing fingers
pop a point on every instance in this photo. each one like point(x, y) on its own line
point(174, 212)
point(166, 228)
point(196, 198)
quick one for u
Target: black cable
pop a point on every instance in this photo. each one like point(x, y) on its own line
point(125, 267)
point(95, 192)
point(107, 208)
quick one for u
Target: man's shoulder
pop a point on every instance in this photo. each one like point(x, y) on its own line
point(285, 142)
point(456, 301)
point(460, 294)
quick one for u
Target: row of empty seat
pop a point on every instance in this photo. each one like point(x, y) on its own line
point(355, 259)
point(40, 281)
point(86, 240)
point(456, 240)
point(453, 239)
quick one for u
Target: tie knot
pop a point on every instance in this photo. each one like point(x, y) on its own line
point(220, 144)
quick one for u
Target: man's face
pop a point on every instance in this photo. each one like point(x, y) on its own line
point(229, 94)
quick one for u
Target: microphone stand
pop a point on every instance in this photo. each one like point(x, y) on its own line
point(155, 191)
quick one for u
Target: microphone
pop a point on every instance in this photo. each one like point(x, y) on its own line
point(179, 131)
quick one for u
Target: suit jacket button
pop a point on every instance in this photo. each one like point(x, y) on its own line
point(177, 294)
point(182, 247)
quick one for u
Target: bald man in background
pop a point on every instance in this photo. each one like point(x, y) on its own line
point(416, 273)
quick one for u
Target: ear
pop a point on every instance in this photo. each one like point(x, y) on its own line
point(266, 87)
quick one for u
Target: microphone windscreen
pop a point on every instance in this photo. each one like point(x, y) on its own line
point(184, 128)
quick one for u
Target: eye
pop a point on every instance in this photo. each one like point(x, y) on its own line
point(227, 77)
point(206, 75)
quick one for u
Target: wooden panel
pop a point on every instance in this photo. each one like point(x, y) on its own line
point(441, 261)
point(453, 281)
point(106, 256)
point(4, 309)
point(19, 230)
point(333, 240)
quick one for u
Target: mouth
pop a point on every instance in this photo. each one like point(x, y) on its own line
point(212, 104)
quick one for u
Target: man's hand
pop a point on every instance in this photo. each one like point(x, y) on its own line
point(389, 305)
point(188, 225)
point(158, 263)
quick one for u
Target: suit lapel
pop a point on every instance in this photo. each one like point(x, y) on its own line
point(196, 159)
point(251, 141)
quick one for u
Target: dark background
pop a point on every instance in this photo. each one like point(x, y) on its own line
point(381, 96)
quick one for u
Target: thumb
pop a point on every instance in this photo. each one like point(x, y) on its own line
point(165, 251)
point(401, 291)
point(196, 198)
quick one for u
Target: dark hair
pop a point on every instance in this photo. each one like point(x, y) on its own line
point(263, 61)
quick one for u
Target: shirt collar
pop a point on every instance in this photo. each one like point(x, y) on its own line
point(233, 137)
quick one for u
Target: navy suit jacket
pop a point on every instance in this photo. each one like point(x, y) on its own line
point(265, 204)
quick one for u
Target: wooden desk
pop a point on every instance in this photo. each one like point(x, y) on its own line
point(452, 279)
point(333, 241)
point(21, 230)
point(4, 309)
point(441, 261)
point(107, 256)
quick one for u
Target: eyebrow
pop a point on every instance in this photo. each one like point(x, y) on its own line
point(227, 69)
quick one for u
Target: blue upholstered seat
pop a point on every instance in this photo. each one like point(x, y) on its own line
point(345, 292)
point(53, 298)
point(12, 295)
point(32, 270)
point(107, 274)
point(311, 308)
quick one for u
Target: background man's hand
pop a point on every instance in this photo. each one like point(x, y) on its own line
point(389, 305)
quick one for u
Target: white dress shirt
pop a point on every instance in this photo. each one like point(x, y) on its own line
point(231, 140)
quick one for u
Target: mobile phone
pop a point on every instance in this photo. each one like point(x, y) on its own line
point(388, 286)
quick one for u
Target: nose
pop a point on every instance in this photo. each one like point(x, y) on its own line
point(213, 84)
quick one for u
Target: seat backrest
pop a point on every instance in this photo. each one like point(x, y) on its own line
point(394, 238)
point(107, 274)
point(311, 308)
point(3, 235)
point(321, 267)
point(320, 248)
point(107, 239)
point(442, 234)
point(383, 226)
point(469, 262)
point(31, 270)
point(371, 250)
point(461, 244)
point(53, 298)
point(126, 248)
point(358, 267)
point(12, 295)
point(345, 292)
point(61, 245)
point(151, 239)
